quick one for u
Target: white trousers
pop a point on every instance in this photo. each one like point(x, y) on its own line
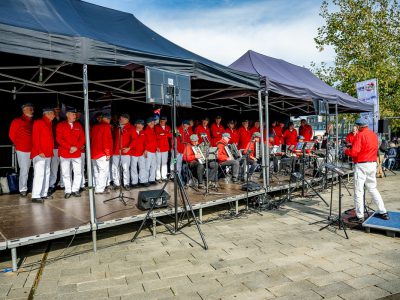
point(101, 169)
point(41, 176)
point(366, 174)
point(125, 161)
point(136, 177)
point(24, 163)
point(83, 157)
point(75, 184)
point(151, 164)
point(179, 159)
point(55, 163)
point(162, 165)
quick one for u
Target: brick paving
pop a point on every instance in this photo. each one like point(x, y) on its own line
point(278, 255)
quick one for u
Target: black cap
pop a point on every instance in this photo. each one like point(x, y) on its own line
point(126, 116)
point(245, 120)
point(139, 121)
point(205, 119)
point(186, 122)
point(47, 109)
point(218, 117)
point(163, 118)
point(71, 110)
point(106, 115)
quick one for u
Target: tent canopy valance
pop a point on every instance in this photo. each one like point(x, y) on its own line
point(293, 82)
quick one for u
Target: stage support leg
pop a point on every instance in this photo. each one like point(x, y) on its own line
point(237, 206)
point(92, 204)
point(337, 134)
point(201, 215)
point(154, 227)
point(267, 135)
point(263, 163)
point(14, 259)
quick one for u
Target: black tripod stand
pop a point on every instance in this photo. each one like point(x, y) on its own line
point(206, 157)
point(178, 185)
point(121, 197)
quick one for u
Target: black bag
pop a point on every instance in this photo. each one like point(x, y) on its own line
point(251, 187)
point(12, 180)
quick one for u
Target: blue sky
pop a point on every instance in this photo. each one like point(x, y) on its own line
point(223, 30)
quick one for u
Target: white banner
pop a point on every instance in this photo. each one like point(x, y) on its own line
point(367, 91)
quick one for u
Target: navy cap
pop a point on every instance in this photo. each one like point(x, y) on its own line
point(361, 122)
point(163, 118)
point(26, 105)
point(47, 109)
point(106, 115)
point(245, 120)
point(186, 122)
point(149, 120)
point(126, 116)
point(300, 137)
point(139, 121)
point(218, 117)
point(205, 119)
point(226, 135)
point(98, 114)
point(71, 110)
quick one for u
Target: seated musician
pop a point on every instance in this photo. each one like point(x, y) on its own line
point(249, 152)
point(192, 159)
point(290, 135)
point(224, 159)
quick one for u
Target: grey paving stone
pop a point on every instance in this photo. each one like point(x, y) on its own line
point(166, 283)
point(253, 295)
point(329, 278)
point(371, 292)
point(86, 295)
point(18, 293)
point(392, 286)
point(292, 288)
point(364, 281)
point(156, 294)
point(99, 284)
point(334, 289)
point(306, 295)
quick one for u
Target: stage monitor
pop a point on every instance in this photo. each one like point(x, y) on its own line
point(161, 85)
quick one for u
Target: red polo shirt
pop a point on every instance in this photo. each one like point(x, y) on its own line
point(125, 136)
point(163, 137)
point(307, 132)
point(216, 133)
point(21, 133)
point(138, 143)
point(150, 140)
point(42, 138)
point(201, 129)
point(68, 137)
point(244, 137)
point(183, 139)
point(364, 147)
point(101, 140)
point(290, 137)
point(234, 135)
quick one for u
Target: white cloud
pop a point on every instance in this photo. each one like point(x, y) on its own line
point(224, 34)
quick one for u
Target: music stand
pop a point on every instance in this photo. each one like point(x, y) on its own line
point(338, 220)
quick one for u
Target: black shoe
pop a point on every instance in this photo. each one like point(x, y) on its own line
point(67, 195)
point(127, 188)
point(384, 216)
point(201, 186)
point(235, 180)
point(356, 220)
point(47, 197)
point(115, 187)
point(146, 184)
point(75, 194)
point(23, 194)
point(152, 182)
point(159, 181)
point(134, 186)
point(37, 200)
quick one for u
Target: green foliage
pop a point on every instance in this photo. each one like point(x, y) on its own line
point(365, 35)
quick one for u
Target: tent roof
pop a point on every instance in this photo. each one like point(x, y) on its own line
point(79, 32)
point(289, 80)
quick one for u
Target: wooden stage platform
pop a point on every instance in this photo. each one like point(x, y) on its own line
point(23, 222)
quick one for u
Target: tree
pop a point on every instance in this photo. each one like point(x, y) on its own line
point(365, 35)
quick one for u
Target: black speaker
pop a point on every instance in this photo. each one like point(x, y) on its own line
point(147, 198)
point(383, 126)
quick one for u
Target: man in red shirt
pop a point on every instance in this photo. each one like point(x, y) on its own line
point(203, 130)
point(216, 131)
point(290, 135)
point(250, 150)
point(224, 159)
point(244, 134)
point(137, 156)
point(350, 137)
point(122, 148)
point(192, 160)
point(101, 150)
point(42, 151)
point(164, 135)
point(256, 127)
point(364, 151)
point(70, 138)
point(150, 151)
point(306, 130)
point(232, 132)
point(21, 136)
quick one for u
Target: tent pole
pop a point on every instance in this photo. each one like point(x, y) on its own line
point(337, 133)
point(267, 135)
point(260, 111)
point(92, 204)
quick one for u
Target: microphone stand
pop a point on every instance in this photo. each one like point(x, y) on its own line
point(207, 143)
point(121, 197)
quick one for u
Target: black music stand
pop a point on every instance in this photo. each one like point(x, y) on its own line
point(338, 220)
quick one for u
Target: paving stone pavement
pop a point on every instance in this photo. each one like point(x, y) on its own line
point(276, 255)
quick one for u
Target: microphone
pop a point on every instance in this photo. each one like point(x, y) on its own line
point(203, 134)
